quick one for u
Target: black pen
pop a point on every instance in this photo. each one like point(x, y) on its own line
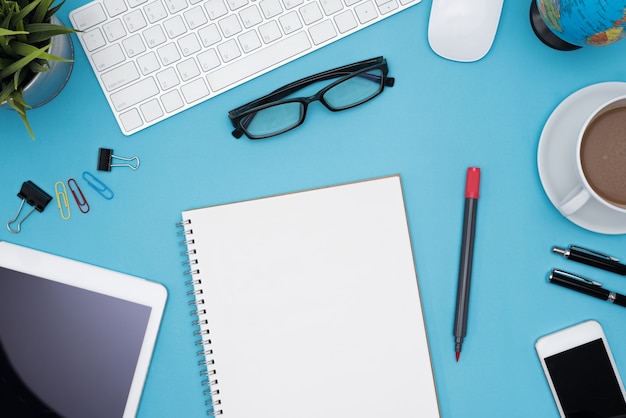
point(592, 258)
point(586, 286)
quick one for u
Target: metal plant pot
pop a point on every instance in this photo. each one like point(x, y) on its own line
point(47, 85)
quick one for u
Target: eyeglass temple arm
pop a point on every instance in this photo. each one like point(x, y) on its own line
point(326, 75)
point(299, 84)
point(389, 81)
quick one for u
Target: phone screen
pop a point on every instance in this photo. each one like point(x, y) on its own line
point(585, 382)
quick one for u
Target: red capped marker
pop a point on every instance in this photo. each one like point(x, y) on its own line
point(472, 192)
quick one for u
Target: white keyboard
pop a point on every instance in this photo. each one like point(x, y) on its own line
point(156, 58)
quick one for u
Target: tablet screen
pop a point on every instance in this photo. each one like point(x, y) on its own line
point(75, 349)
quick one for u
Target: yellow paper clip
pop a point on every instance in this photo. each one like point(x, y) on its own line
point(64, 205)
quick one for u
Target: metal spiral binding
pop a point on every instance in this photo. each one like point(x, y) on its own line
point(206, 363)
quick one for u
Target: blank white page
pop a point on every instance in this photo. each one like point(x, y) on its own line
point(312, 305)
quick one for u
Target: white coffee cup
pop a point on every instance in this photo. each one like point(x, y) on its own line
point(609, 119)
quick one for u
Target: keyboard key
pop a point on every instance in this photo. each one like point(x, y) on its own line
point(311, 13)
point(209, 60)
point(88, 17)
point(131, 120)
point(249, 41)
point(168, 53)
point(154, 36)
point(135, 3)
point(148, 63)
point(385, 6)
point(345, 21)
point(365, 12)
point(175, 27)
point(258, 61)
point(322, 32)
point(270, 31)
point(331, 6)
point(93, 39)
point(108, 57)
point(215, 8)
point(172, 101)
point(115, 7)
point(189, 44)
point(290, 4)
point(236, 4)
point(168, 78)
point(120, 76)
point(270, 8)
point(229, 50)
point(155, 11)
point(230, 26)
point(135, 21)
point(209, 35)
point(134, 46)
point(250, 16)
point(195, 17)
point(188, 69)
point(290, 22)
point(135, 93)
point(195, 90)
point(114, 30)
point(175, 6)
point(151, 110)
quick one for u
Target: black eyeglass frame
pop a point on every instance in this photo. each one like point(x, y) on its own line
point(240, 115)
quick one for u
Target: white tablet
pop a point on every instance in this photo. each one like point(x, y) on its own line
point(78, 337)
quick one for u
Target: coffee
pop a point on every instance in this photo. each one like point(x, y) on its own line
point(603, 155)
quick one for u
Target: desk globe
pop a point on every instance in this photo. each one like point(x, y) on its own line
point(570, 24)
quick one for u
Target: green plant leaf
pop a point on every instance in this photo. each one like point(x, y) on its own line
point(27, 8)
point(40, 32)
point(16, 102)
point(4, 62)
point(40, 13)
point(19, 64)
point(52, 11)
point(7, 32)
point(25, 49)
point(6, 90)
point(37, 67)
point(20, 15)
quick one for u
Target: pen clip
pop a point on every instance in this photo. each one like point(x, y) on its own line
point(567, 275)
point(594, 253)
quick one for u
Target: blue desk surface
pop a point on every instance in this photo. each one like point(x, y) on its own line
point(439, 118)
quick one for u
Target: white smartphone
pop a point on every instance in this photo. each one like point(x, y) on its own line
point(581, 372)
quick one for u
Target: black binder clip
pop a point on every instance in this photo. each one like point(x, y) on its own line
point(105, 160)
point(34, 196)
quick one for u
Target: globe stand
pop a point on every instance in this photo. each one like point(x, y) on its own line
point(545, 34)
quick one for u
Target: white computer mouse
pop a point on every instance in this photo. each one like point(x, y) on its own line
point(463, 30)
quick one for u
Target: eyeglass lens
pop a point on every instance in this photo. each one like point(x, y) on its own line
point(283, 116)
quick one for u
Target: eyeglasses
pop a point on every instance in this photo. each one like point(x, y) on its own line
point(274, 114)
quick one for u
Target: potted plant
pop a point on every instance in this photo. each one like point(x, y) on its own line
point(36, 54)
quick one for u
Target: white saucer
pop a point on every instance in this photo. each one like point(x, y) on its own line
point(557, 169)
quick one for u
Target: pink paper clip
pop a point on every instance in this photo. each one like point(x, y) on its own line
point(83, 206)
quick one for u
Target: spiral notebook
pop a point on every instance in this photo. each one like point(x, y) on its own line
point(308, 305)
